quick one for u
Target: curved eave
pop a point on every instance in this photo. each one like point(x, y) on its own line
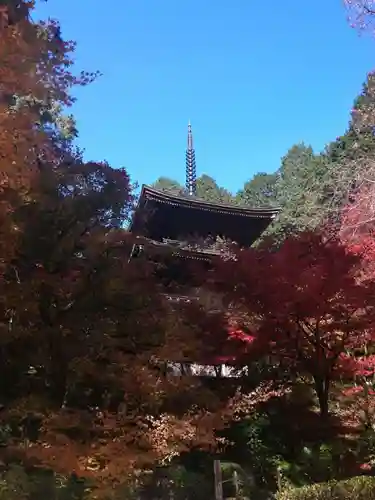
point(183, 253)
point(149, 193)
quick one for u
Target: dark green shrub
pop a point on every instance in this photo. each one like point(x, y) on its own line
point(356, 488)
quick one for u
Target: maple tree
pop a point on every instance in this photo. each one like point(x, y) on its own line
point(359, 397)
point(302, 305)
point(358, 216)
point(85, 336)
point(356, 232)
point(35, 72)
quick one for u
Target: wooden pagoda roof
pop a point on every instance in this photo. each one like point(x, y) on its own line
point(160, 214)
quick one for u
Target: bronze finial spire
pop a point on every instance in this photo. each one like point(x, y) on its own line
point(191, 168)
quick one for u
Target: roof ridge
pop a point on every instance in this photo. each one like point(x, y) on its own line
point(191, 200)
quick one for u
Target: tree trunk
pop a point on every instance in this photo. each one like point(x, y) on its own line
point(322, 386)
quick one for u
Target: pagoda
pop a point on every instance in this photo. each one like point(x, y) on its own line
point(183, 234)
point(179, 229)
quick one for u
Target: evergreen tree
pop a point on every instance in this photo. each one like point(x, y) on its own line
point(167, 184)
point(297, 191)
point(208, 190)
point(260, 191)
point(350, 159)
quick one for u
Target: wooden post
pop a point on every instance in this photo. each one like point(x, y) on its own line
point(218, 478)
point(279, 479)
point(236, 483)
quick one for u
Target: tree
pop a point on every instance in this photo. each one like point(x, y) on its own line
point(347, 184)
point(85, 335)
point(82, 329)
point(208, 190)
point(35, 63)
point(260, 191)
point(352, 169)
point(47, 107)
point(297, 192)
point(360, 394)
point(358, 216)
point(304, 304)
point(361, 14)
point(166, 184)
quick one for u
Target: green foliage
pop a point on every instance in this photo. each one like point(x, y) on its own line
point(312, 463)
point(51, 117)
point(166, 184)
point(358, 488)
point(207, 189)
point(260, 191)
point(16, 483)
point(347, 160)
point(255, 448)
point(179, 483)
point(297, 191)
point(176, 481)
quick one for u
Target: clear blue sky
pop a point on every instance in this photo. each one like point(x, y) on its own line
point(254, 77)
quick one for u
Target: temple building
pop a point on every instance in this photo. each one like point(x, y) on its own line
point(188, 227)
point(183, 232)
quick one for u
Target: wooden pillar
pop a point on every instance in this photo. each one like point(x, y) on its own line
point(218, 478)
point(236, 483)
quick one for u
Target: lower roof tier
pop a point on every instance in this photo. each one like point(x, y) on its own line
point(160, 215)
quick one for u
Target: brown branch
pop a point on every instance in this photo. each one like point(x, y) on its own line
point(368, 10)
